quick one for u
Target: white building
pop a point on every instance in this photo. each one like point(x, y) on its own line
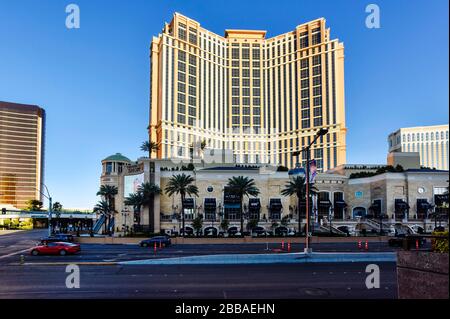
point(430, 141)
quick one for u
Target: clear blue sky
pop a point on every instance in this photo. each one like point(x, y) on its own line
point(94, 81)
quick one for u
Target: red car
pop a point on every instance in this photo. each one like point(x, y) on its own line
point(55, 248)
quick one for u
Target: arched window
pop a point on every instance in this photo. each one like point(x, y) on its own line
point(409, 138)
point(413, 136)
point(432, 136)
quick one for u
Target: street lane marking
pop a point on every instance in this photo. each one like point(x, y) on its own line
point(15, 253)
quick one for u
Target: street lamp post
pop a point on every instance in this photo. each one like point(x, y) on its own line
point(331, 217)
point(306, 150)
point(124, 215)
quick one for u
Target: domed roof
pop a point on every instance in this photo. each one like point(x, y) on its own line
point(118, 158)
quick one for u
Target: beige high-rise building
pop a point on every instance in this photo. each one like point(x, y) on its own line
point(22, 129)
point(431, 142)
point(262, 98)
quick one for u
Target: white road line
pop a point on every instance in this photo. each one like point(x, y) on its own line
point(15, 253)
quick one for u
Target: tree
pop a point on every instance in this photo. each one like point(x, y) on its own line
point(181, 184)
point(148, 191)
point(103, 208)
point(108, 192)
point(34, 205)
point(297, 187)
point(136, 200)
point(242, 186)
point(149, 147)
point(57, 207)
point(224, 225)
point(252, 224)
point(197, 224)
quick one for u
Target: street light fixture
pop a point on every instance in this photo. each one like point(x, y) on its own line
point(321, 132)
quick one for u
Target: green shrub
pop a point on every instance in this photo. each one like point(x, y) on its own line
point(440, 245)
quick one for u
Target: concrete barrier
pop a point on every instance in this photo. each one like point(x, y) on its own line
point(288, 258)
point(422, 275)
point(231, 240)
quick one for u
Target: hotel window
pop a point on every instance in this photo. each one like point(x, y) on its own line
point(304, 73)
point(235, 72)
point(181, 108)
point(256, 64)
point(181, 66)
point(235, 81)
point(235, 120)
point(246, 120)
point(315, 36)
point(256, 120)
point(246, 82)
point(235, 101)
point(193, 38)
point(182, 34)
point(426, 137)
point(245, 54)
point(256, 73)
point(246, 92)
point(256, 111)
point(235, 91)
point(192, 90)
point(235, 64)
point(246, 110)
point(437, 135)
point(303, 40)
point(181, 87)
point(304, 63)
point(256, 101)
point(235, 53)
point(246, 73)
point(432, 136)
point(245, 101)
point(181, 98)
point(235, 110)
point(316, 60)
point(181, 119)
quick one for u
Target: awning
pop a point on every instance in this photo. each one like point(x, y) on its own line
point(325, 203)
point(423, 205)
point(340, 204)
point(254, 204)
point(210, 203)
point(401, 204)
point(188, 203)
point(441, 199)
point(232, 206)
point(275, 204)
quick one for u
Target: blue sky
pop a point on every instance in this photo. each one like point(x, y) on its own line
point(94, 81)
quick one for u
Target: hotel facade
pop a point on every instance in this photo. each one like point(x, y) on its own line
point(22, 135)
point(260, 98)
point(431, 142)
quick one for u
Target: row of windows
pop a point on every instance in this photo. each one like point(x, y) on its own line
point(424, 136)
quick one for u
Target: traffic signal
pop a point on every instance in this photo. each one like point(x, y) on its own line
point(3, 211)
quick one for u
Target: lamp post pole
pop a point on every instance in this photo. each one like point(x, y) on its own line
point(319, 133)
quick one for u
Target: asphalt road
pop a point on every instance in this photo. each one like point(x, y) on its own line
point(14, 245)
point(274, 281)
point(41, 278)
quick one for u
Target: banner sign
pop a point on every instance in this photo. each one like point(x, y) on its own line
point(312, 171)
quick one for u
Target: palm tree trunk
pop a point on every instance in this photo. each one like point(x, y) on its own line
point(242, 218)
point(298, 215)
point(182, 215)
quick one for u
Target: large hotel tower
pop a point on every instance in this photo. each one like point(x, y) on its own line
point(22, 129)
point(261, 98)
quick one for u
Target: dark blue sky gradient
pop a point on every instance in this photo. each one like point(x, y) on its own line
point(94, 81)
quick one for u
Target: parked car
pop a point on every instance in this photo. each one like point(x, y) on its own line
point(157, 239)
point(55, 248)
point(58, 238)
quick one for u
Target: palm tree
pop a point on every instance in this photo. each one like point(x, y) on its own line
point(108, 192)
point(181, 184)
point(135, 200)
point(242, 186)
point(104, 209)
point(297, 186)
point(149, 147)
point(147, 192)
